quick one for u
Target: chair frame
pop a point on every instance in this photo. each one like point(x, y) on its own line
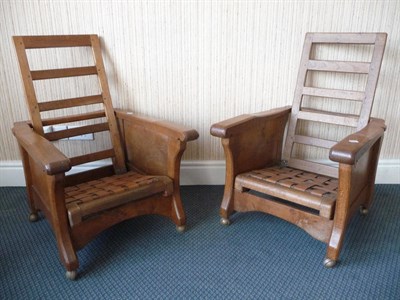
point(45, 166)
point(256, 141)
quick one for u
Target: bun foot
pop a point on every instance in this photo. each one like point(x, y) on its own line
point(180, 228)
point(225, 221)
point(363, 210)
point(329, 263)
point(33, 217)
point(71, 275)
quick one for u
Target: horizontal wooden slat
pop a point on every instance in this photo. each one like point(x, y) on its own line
point(338, 66)
point(71, 102)
point(56, 41)
point(328, 117)
point(74, 118)
point(62, 134)
point(313, 167)
point(61, 73)
point(308, 140)
point(82, 159)
point(332, 93)
point(344, 38)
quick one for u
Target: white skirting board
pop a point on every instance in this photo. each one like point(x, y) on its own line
point(194, 172)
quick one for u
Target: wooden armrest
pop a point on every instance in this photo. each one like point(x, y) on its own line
point(252, 141)
point(350, 149)
point(172, 130)
point(241, 124)
point(41, 150)
point(154, 146)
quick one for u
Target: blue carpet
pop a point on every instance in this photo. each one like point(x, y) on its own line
point(257, 257)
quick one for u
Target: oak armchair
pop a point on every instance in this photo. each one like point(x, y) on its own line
point(268, 171)
point(143, 155)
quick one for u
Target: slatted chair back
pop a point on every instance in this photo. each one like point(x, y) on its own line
point(37, 107)
point(303, 89)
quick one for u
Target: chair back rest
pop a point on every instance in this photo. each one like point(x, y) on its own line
point(305, 109)
point(63, 111)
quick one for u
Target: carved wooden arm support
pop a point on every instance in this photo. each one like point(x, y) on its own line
point(252, 141)
point(357, 155)
point(154, 146)
point(39, 149)
point(353, 147)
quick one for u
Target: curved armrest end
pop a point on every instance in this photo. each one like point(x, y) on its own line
point(222, 129)
point(170, 129)
point(57, 167)
point(43, 152)
point(243, 123)
point(350, 149)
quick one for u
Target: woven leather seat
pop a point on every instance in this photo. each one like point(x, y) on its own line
point(317, 192)
point(86, 199)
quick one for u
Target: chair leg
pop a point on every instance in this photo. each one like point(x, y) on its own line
point(364, 208)
point(62, 229)
point(178, 213)
point(340, 220)
point(67, 254)
point(33, 216)
point(337, 236)
point(335, 244)
point(373, 163)
point(34, 212)
point(227, 204)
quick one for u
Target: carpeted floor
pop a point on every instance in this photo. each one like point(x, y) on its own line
point(257, 257)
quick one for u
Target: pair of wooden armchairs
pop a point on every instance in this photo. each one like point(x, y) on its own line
point(145, 154)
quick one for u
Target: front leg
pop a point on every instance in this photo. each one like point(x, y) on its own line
point(227, 201)
point(61, 227)
point(176, 149)
point(372, 167)
point(342, 214)
point(33, 215)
